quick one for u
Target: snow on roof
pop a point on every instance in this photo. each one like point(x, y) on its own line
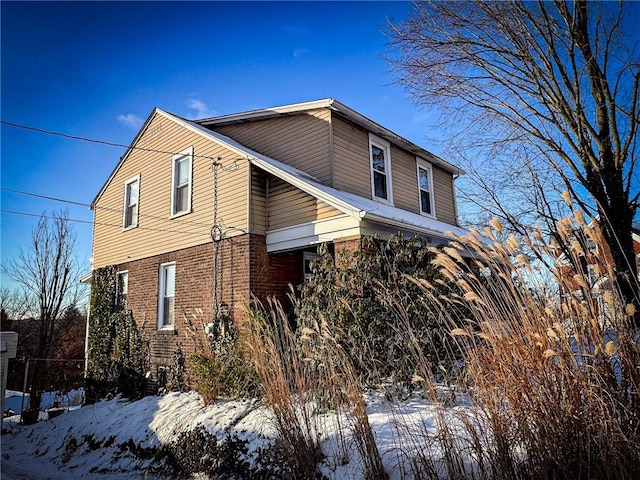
point(354, 205)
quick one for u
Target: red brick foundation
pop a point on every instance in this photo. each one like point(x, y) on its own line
point(206, 275)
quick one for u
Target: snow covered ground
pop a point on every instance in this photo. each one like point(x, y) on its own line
point(116, 439)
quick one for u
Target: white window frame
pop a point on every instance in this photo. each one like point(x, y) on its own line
point(162, 284)
point(386, 148)
point(127, 190)
point(308, 256)
point(424, 165)
point(122, 274)
point(188, 155)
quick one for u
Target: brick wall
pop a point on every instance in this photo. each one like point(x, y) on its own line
point(243, 266)
point(271, 273)
point(345, 248)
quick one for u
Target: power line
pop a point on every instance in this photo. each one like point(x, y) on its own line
point(28, 214)
point(101, 142)
point(117, 210)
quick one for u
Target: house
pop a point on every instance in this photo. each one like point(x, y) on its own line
point(199, 215)
point(594, 276)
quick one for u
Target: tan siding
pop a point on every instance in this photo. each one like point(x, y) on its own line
point(444, 196)
point(352, 172)
point(351, 158)
point(405, 180)
point(156, 232)
point(301, 141)
point(288, 206)
point(258, 212)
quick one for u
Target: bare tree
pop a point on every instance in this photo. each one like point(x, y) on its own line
point(550, 91)
point(48, 273)
point(15, 304)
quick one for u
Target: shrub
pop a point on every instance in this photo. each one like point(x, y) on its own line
point(219, 368)
point(370, 302)
point(118, 353)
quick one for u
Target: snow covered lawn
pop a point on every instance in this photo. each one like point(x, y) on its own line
point(119, 439)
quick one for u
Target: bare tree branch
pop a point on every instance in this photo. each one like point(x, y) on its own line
point(48, 274)
point(543, 94)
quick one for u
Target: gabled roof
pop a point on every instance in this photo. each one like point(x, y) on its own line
point(342, 110)
point(353, 205)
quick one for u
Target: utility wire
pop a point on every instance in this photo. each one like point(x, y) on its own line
point(27, 214)
point(101, 142)
point(117, 210)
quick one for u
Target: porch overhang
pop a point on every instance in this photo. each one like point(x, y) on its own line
point(312, 233)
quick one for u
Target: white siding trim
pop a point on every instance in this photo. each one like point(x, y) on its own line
point(312, 233)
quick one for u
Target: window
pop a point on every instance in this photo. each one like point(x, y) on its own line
point(380, 153)
point(591, 272)
point(166, 295)
point(122, 288)
point(307, 263)
point(181, 182)
point(131, 195)
point(425, 188)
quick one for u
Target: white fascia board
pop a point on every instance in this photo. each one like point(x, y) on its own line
point(312, 233)
point(307, 186)
point(87, 278)
point(267, 112)
point(124, 156)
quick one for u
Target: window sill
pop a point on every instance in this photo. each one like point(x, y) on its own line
point(130, 227)
point(428, 215)
point(170, 329)
point(179, 214)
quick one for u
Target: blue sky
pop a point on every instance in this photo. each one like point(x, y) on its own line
point(97, 70)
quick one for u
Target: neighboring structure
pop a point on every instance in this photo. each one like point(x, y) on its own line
point(595, 278)
point(199, 215)
point(8, 349)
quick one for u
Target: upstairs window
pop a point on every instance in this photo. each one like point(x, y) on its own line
point(425, 189)
point(131, 195)
point(181, 182)
point(122, 288)
point(380, 154)
point(166, 295)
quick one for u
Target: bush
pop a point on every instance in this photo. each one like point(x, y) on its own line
point(219, 368)
point(118, 353)
point(371, 302)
